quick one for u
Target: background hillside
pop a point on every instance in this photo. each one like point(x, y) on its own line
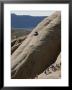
point(16, 33)
point(25, 21)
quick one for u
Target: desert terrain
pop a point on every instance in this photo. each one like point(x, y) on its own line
point(52, 72)
point(35, 54)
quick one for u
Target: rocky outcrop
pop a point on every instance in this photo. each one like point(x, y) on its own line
point(39, 50)
point(16, 43)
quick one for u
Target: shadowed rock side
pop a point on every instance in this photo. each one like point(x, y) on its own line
point(16, 43)
point(52, 72)
point(39, 50)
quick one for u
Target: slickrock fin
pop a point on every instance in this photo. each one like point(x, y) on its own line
point(37, 52)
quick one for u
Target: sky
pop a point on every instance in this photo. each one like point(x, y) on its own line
point(33, 13)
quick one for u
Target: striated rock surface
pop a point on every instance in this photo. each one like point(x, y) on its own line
point(39, 50)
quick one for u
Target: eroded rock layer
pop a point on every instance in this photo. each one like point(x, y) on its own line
point(39, 50)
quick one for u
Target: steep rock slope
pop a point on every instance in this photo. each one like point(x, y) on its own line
point(39, 50)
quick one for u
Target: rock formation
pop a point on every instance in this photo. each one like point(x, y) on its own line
point(16, 43)
point(39, 50)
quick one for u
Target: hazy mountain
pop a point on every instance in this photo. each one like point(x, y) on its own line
point(25, 21)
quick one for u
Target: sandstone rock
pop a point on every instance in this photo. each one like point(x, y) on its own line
point(16, 43)
point(13, 42)
point(37, 52)
point(14, 48)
